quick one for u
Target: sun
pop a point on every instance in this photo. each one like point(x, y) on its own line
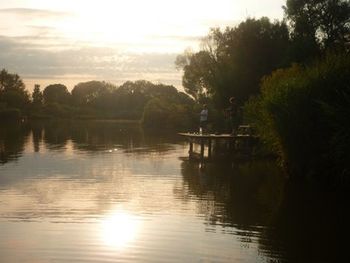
point(133, 23)
point(119, 229)
point(133, 26)
point(111, 22)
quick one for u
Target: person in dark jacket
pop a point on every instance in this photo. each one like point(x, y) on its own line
point(232, 112)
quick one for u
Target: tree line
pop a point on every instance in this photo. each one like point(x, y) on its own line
point(96, 100)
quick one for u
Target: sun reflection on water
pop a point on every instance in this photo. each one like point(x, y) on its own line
point(119, 229)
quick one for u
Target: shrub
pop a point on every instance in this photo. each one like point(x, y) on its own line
point(162, 114)
point(302, 114)
point(10, 114)
point(57, 110)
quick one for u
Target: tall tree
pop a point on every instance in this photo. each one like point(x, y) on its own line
point(199, 73)
point(56, 93)
point(86, 93)
point(37, 96)
point(232, 62)
point(318, 23)
point(12, 90)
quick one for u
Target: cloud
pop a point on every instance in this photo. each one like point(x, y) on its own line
point(33, 12)
point(210, 23)
point(177, 37)
point(31, 25)
point(31, 61)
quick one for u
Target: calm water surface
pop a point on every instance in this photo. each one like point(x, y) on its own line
point(109, 192)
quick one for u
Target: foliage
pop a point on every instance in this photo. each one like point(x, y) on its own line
point(12, 90)
point(10, 114)
point(198, 77)
point(89, 93)
point(37, 96)
point(317, 24)
point(232, 62)
point(57, 110)
point(56, 93)
point(302, 114)
point(101, 100)
point(10, 81)
point(164, 114)
point(131, 98)
point(166, 108)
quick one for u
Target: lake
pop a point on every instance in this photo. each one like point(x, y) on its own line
point(94, 191)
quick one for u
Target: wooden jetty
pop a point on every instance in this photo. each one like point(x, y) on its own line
point(233, 143)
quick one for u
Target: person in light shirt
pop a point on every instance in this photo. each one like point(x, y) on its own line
point(203, 119)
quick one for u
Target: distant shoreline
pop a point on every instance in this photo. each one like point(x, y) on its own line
point(86, 119)
point(24, 120)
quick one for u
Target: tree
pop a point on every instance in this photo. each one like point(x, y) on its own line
point(318, 23)
point(232, 62)
point(10, 81)
point(88, 92)
point(199, 69)
point(56, 93)
point(131, 97)
point(12, 90)
point(37, 96)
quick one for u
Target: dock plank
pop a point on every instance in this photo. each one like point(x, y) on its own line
point(212, 139)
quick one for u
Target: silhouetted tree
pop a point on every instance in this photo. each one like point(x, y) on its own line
point(317, 24)
point(87, 93)
point(199, 73)
point(12, 90)
point(56, 93)
point(37, 96)
point(232, 62)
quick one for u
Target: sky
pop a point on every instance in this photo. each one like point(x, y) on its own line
point(71, 41)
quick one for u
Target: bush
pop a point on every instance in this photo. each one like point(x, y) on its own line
point(302, 114)
point(57, 110)
point(10, 114)
point(162, 114)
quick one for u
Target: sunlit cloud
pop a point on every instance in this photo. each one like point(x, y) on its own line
point(32, 12)
point(73, 65)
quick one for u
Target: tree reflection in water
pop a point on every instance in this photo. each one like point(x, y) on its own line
point(290, 222)
point(13, 137)
point(242, 195)
point(100, 135)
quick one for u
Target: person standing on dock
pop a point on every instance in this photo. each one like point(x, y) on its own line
point(232, 112)
point(203, 119)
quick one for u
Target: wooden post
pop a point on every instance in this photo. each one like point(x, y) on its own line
point(190, 152)
point(231, 144)
point(202, 148)
point(209, 148)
